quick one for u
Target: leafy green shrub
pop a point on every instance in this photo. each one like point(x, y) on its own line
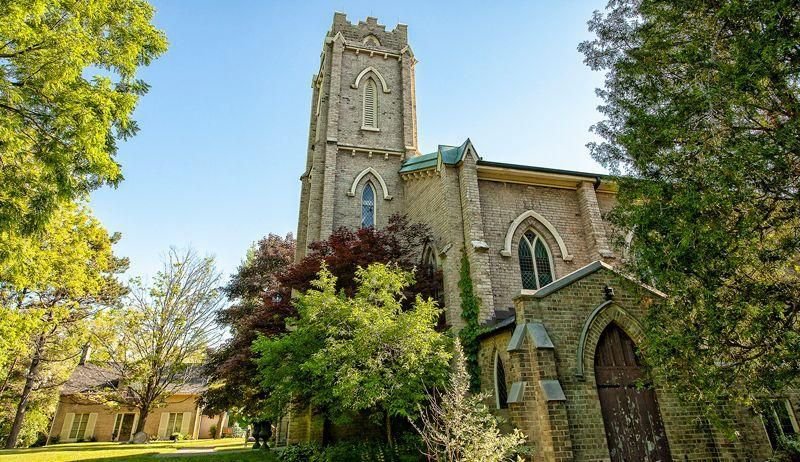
point(788, 450)
point(177, 436)
point(299, 453)
point(351, 452)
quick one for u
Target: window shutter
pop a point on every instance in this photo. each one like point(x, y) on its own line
point(68, 418)
point(187, 417)
point(90, 426)
point(162, 425)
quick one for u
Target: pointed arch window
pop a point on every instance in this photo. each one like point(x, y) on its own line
point(500, 390)
point(368, 206)
point(535, 261)
point(370, 105)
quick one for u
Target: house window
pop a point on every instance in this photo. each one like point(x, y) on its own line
point(368, 206)
point(78, 430)
point(174, 423)
point(370, 105)
point(500, 391)
point(535, 262)
point(779, 421)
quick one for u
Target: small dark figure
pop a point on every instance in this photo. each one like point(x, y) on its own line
point(262, 431)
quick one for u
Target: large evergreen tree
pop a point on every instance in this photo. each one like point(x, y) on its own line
point(702, 106)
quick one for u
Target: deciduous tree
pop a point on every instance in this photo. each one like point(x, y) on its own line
point(157, 341)
point(344, 355)
point(58, 279)
point(58, 124)
point(702, 106)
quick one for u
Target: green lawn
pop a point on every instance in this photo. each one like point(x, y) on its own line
point(227, 450)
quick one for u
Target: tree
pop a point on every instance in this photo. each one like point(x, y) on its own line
point(260, 295)
point(58, 279)
point(345, 355)
point(457, 427)
point(259, 304)
point(157, 342)
point(58, 128)
point(702, 106)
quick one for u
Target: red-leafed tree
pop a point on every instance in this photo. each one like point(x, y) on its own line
point(260, 294)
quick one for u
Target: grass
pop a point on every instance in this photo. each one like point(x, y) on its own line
point(227, 450)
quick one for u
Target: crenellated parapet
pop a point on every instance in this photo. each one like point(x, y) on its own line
point(370, 34)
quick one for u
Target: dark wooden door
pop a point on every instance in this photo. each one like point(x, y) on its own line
point(634, 429)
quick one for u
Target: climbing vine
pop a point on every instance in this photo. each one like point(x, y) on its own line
point(470, 310)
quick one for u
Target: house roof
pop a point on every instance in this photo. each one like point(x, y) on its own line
point(88, 376)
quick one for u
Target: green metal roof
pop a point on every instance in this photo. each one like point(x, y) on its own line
point(449, 155)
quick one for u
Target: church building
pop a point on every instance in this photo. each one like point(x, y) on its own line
point(558, 353)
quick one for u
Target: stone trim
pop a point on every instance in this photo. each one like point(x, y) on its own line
point(517, 393)
point(536, 333)
point(551, 390)
point(611, 312)
point(360, 176)
point(506, 252)
point(581, 273)
point(366, 71)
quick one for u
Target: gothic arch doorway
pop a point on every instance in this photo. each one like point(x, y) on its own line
point(634, 429)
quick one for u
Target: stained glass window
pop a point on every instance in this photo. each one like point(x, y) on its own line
point(535, 266)
point(368, 206)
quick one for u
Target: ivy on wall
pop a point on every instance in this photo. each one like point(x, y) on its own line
point(470, 311)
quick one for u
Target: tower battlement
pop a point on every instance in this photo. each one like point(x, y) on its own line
point(362, 32)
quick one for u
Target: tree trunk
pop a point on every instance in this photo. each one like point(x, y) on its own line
point(389, 439)
point(143, 412)
point(22, 406)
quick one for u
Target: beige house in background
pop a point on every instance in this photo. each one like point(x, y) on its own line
point(77, 419)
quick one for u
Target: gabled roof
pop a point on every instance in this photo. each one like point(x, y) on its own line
point(89, 376)
point(445, 154)
point(581, 273)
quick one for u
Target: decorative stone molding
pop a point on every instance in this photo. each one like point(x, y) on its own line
point(625, 320)
point(506, 252)
point(360, 176)
point(366, 71)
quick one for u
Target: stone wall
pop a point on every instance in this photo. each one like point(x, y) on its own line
point(573, 428)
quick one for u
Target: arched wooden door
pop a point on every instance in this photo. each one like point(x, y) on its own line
point(634, 429)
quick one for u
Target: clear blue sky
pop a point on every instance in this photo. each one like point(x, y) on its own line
point(222, 144)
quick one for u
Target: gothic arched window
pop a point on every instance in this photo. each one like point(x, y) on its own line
point(368, 206)
point(370, 105)
point(535, 264)
point(500, 390)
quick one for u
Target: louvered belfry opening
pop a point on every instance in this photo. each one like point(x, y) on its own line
point(370, 104)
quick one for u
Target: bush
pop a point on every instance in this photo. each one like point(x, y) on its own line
point(351, 452)
point(788, 450)
point(177, 436)
point(213, 431)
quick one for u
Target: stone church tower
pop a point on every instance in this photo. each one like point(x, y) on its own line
point(363, 125)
